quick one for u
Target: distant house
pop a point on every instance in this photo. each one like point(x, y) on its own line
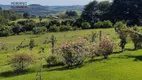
point(55, 17)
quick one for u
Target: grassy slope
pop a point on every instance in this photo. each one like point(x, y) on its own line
point(124, 66)
point(35, 19)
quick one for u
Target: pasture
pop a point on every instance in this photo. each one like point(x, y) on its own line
point(119, 66)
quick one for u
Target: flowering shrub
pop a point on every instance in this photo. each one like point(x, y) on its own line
point(21, 60)
point(93, 50)
point(73, 53)
point(106, 45)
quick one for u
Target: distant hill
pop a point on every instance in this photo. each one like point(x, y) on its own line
point(75, 7)
point(5, 7)
point(37, 9)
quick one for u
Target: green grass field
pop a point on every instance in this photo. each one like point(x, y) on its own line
point(34, 19)
point(120, 66)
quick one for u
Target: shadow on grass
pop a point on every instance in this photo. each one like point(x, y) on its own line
point(127, 49)
point(62, 68)
point(95, 60)
point(119, 52)
point(14, 73)
point(66, 68)
point(136, 58)
point(49, 66)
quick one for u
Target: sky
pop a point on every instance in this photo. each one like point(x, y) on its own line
point(50, 2)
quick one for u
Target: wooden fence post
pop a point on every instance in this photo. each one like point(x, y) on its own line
point(53, 43)
point(100, 35)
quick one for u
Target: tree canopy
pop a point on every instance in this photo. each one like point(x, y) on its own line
point(95, 11)
point(128, 10)
point(71, 13)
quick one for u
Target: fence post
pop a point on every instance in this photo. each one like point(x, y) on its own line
point(100, 35)
point(94, 35)
point(53, 43)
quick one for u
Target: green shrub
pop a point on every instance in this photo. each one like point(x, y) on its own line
point(76, 28)
point(98, 24)
point(39, 30)
point(28, 25)
point(107, 24)
point(5, 31)
point(54, 60)
point(104, 24)
point(45, 23)
point(21, 61)
point(54, 28)
point(17, 28)
point(120, 25)
point(3, 21)
point(65, 28)
point(85, 25)
point(54, 22)
point(68, 22)
point(136, 28)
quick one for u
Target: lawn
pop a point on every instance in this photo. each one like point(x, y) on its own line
point(119, 66)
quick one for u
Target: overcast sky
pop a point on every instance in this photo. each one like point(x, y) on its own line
point(50, 2)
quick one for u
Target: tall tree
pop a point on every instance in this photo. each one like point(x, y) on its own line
point(90, 12)
point(26, 15)
point(104, 8)
point(3, 21)
point(0, 8)
point(96, 11)
point(128, 10)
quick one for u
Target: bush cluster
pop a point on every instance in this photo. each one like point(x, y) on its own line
point(39, 30)
point(73, 53)
point(51, 26)
point(104, 24)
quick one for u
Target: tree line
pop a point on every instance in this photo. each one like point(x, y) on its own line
point(95, 15)
point(128, 11)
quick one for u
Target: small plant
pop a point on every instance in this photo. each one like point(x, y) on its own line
point(54, 60)
point(21, 61)
point(31, 44)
